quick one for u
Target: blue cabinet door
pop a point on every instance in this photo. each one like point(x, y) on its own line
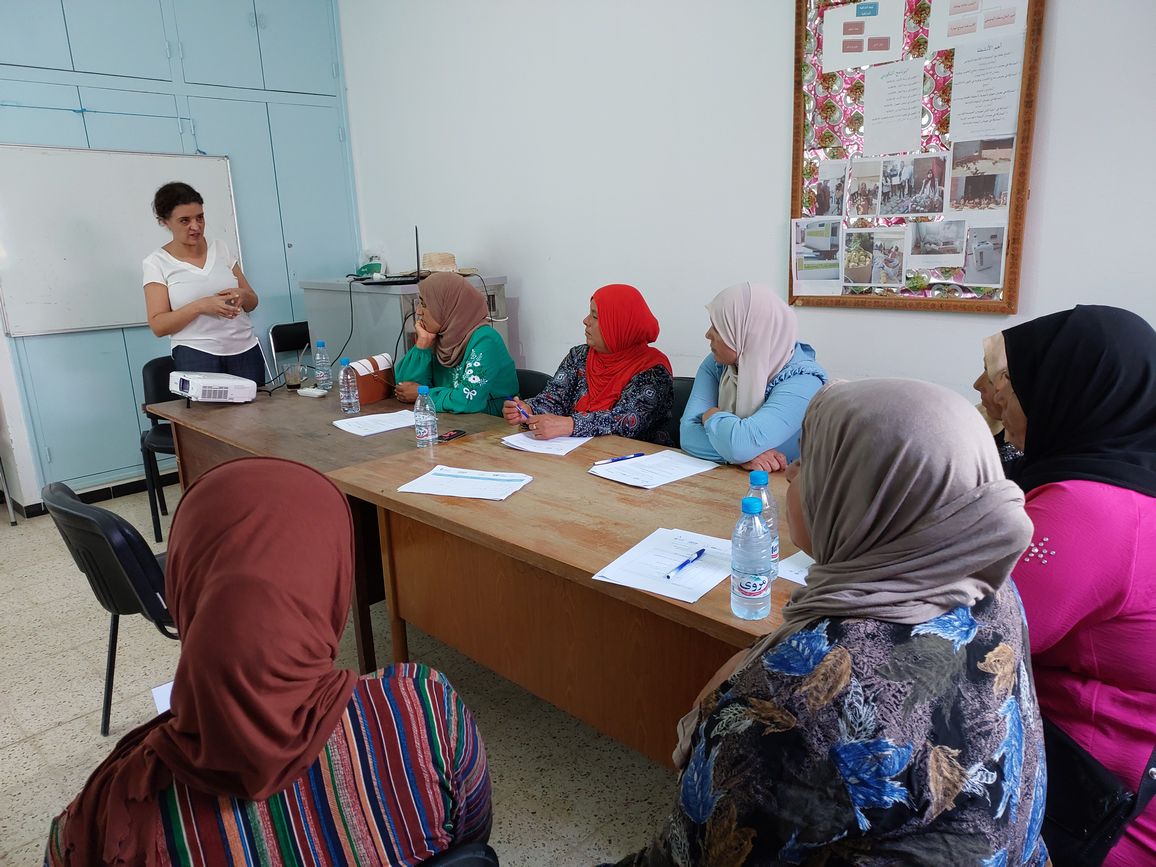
point(129, 121)
point(218, 43)
point(240, 130)
point(82, 402)
point(297, 46)
point(122, 38)
point(32, 34)
point(40, 114)
point(314, 188)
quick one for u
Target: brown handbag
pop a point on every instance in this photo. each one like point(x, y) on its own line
point(375, 386)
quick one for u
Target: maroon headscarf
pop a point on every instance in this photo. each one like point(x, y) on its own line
point(260, 603)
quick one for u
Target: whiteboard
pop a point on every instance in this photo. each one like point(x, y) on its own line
point(76, 223)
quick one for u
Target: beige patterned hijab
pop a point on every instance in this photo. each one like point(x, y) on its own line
point(759, 326)
point(909, 511)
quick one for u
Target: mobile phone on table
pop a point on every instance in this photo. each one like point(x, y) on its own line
point(450, 435)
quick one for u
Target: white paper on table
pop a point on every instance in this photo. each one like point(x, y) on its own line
point(646, 565)
point(162, 696)
point(985, 90)
point(471, 484)
point(954, 22)
point(365, 425)
point(653, 470)
point(936, 244)
point(557, 446)
point(893, 107)
point(862, 34)
point(363, 366)
point(795, 567)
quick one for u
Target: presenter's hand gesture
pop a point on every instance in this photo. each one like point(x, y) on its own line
point(225, 304)
point(406, 392)
point(424, 339)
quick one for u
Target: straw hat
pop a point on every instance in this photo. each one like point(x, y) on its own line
point(444, 262)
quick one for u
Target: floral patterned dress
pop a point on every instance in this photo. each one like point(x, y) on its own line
point(642, 411)
point(870, 743)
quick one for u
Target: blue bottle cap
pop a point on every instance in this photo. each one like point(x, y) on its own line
point(752, 506)
point(343, 361)
point(320, 344)
point(423, 389)
point(759, 477)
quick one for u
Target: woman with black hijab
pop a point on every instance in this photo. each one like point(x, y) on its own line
point(1077, 393)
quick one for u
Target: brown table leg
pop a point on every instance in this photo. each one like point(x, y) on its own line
point(367, 579)
point(399, 639)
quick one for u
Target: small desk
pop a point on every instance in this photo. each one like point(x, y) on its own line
point(284, 425)
point(510, 583)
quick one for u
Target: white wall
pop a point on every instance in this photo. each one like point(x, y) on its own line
point(574, 144)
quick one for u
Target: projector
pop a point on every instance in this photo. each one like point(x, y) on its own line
point(212, 387)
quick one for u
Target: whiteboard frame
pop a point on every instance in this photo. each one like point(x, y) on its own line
point(143, 321)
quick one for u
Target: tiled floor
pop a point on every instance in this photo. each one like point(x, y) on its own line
point(563, 794)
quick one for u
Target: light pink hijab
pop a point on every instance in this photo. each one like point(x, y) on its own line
point(758, 325)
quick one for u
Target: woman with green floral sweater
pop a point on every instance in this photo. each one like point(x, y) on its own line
point(457, 353)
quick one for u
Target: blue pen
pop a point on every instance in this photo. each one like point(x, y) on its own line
point(619, 458)
point(685, 563)
point(518, 407)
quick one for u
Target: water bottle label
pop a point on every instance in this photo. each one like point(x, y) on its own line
point(752, 587)
point(775, 548)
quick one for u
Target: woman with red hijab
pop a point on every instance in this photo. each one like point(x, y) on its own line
point(270, 754)
point(615, 383)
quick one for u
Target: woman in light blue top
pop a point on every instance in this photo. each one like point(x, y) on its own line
point(751, 392)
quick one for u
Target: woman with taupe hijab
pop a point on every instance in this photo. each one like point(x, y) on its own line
point(891, 718)
point(457, 352)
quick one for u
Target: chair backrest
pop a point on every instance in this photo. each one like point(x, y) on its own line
point(467, 855)
point(289, 337)
point(156, 383)
point(682, 387)
point(531, 383)
point(125, 575)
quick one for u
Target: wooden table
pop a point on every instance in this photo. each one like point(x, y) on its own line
point(510, 583)
point(285, 425)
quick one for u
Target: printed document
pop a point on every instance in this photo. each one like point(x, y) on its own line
point(647, 565)
point(557, 446)
point(471, 484)
point(653, 470)
point(795, 567)
point(379, 422)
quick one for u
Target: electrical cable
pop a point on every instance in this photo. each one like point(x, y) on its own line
point(333, 358)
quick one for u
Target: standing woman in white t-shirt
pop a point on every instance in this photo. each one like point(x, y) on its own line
point(196, 294)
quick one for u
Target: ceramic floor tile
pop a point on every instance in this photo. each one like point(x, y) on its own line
point(29, 796)
point(57, 688)
point(31, 855)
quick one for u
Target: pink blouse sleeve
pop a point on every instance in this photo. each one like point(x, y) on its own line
point(1077, 569)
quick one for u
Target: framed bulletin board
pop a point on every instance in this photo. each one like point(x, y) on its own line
point(912, 147)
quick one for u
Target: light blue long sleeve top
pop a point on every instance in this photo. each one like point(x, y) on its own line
point(728, 439)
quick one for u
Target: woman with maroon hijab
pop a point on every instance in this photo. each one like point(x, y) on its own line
point(614, 383)
point(270, 754)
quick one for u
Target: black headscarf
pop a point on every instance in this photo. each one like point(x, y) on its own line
point(1086, 379)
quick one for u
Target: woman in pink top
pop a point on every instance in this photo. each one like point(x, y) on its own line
point(1078, 394)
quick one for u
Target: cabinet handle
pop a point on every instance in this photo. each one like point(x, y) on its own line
point(261, 22)
point(253, 20)
point(290, 246)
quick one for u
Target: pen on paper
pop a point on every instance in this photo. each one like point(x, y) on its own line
point(518, 407)
point(619, 458)
point(691, 559)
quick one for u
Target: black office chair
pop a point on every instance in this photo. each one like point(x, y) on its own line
point(125, 576)
point(158, 439)
point(531, 383)
point(682, 387)
point(469, 855)
point(289, 337)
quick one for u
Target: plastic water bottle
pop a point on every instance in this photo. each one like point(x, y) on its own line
point(425, 420)
point(759, 482)
point(321, 373)
point(347, 388)
point(754, 563)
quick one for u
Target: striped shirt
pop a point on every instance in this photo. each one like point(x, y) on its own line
point(402, 778)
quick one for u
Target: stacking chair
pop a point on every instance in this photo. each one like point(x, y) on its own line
point(125, 576)
point(682, 387)
point(531, 383)
point(158, 439)
point(289, 337)
point(7, 497)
